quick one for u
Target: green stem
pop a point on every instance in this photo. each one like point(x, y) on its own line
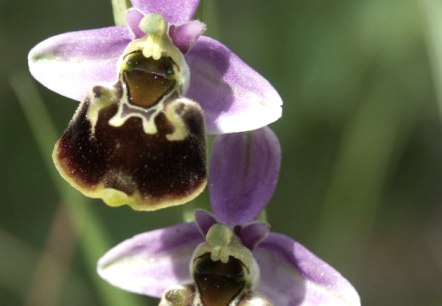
point(119, 8)
point(93, 240)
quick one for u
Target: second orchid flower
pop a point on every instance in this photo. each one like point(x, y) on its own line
point(229, 258)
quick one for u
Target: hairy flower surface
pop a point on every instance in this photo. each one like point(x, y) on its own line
point(139, 142)
point(150, 91)
point(229, 258)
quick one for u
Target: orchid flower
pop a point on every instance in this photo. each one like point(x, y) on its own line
point(228, 258)
point(150, 91)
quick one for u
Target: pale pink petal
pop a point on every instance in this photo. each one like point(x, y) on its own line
point(234, 97)
point(72, 63)
point(151, 262)
point(291, 275)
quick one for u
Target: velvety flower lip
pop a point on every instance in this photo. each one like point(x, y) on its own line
point(290, 275)
point(229, 91)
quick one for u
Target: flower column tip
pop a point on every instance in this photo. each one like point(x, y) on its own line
point(155, 26)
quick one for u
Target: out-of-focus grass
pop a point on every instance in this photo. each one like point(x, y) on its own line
point(432, 15)
point(18, 259)
point(360, 134)
point(92, 236)
point(369, 150)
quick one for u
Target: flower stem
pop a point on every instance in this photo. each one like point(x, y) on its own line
point(92, 238)
point(119, 8)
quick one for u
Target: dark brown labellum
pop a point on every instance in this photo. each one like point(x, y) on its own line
point(147, 158)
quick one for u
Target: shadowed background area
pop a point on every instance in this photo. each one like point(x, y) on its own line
point(361, 173)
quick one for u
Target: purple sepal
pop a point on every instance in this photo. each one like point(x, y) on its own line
point(176, 11)
point(243, 174)
point(151, 262)
point(291, 275)
point(234, 97)
point(73, 63)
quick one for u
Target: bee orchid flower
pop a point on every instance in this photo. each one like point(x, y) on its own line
point(229, 258)
point(149, 93)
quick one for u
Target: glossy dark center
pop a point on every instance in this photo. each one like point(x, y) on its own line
point(218, 283)
point(148, 80)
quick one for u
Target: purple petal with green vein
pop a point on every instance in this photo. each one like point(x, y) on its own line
point(243, 174)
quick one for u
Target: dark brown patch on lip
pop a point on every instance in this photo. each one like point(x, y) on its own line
point(127, 159)
point(218, 283)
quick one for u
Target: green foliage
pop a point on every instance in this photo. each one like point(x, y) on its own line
point(360, 134)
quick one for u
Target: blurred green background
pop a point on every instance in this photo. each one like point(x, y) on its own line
point(361, 177)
